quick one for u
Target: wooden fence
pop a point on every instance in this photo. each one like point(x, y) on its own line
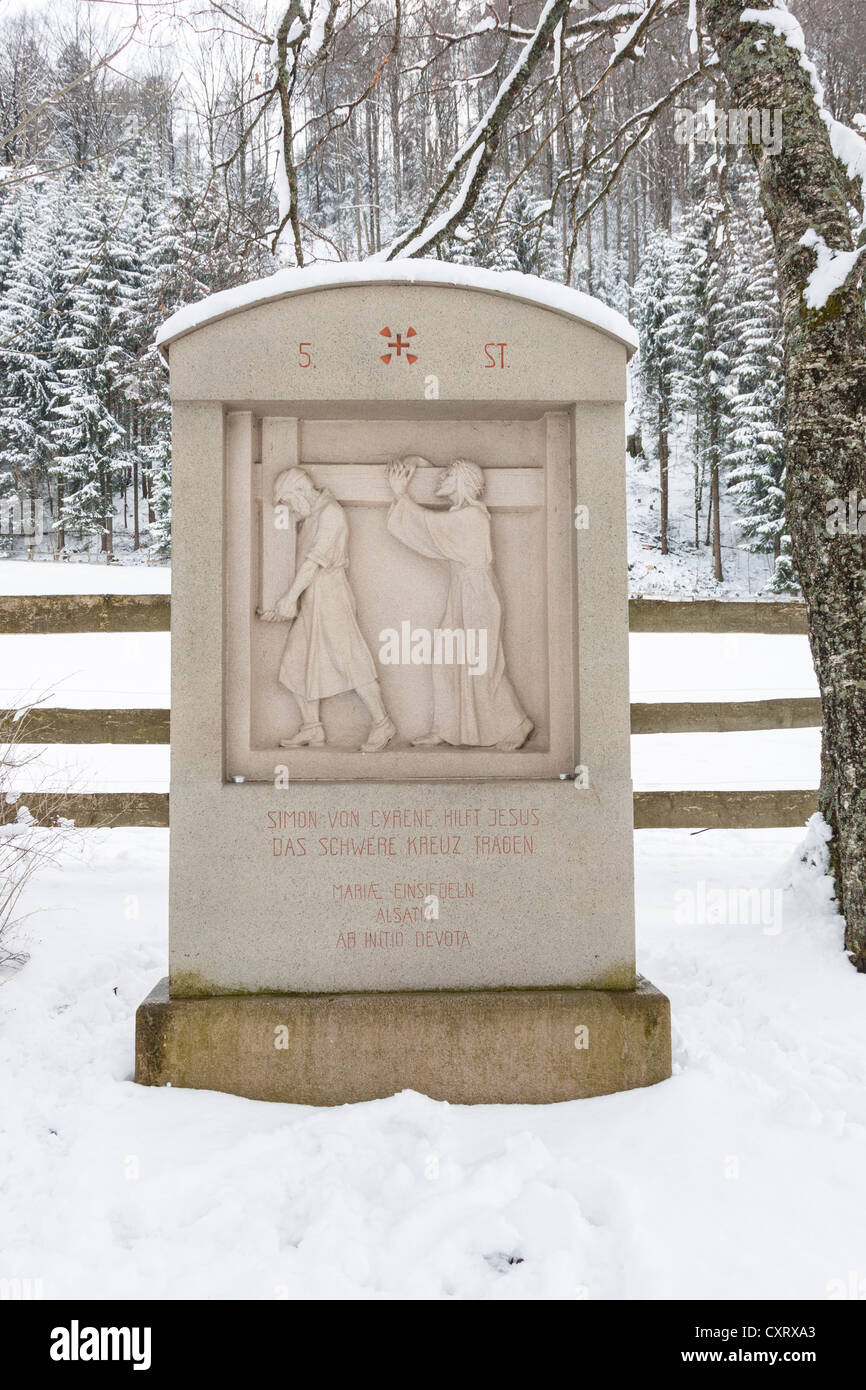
point(23, 613)
point(711, 809)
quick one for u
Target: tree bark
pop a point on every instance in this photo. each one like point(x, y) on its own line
point(804, 186)
point(285, 78)
point(717, 524)
point(136, 540)
point(664, 456)
point(698, 495)
point(60, 533)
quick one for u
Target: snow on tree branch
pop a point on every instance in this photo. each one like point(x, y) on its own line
point(472, 161)
point(833, 265)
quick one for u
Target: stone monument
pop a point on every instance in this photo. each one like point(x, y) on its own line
point(401, 805)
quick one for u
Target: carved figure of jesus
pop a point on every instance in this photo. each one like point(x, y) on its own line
point(325, 652)
point(469, 708)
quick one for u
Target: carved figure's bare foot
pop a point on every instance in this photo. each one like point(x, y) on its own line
point(379, 735)
point(309, 735)
point(518, 738)
point(427, 741)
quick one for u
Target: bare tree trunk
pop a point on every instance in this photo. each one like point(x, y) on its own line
point(60, 533)
point(805, 187)
point(285, 75)
point(359, 234)
point(663, 476)
point(717, 523)
point(715, 507)
point(396, 136)
point(136, 538)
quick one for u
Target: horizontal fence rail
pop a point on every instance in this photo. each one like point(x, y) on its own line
point(22, 613)
point(710, 809)
point(91, 809)
point(773, 617)
point(40, 613)
point(723, 810)
point(47, 724)
point(726, 716)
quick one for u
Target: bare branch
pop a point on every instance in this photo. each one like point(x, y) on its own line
point(472, 161)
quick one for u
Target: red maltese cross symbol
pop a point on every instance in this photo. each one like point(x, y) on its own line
point(398, 345)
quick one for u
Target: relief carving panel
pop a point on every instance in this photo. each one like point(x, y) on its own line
point(392, 616)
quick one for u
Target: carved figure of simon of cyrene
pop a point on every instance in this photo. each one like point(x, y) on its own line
point(325, 652)
point(469, 707)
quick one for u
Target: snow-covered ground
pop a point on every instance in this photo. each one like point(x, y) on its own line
point(719, 666)
point(55, 577)
point(740, 1177)
point(119, 670)
point(685, 570)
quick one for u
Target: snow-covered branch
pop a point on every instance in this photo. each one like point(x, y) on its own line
point(467, 168)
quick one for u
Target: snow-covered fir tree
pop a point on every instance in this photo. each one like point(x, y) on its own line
point(92, 443)
point(90, 265)
point(484, 238)
point(655, 301)
point(532, 238)
point(755, 455)
point(609, 280)
point(32, 319)
point(13, 219)
point(703, 326)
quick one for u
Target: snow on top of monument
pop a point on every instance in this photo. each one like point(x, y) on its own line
point(329, 275)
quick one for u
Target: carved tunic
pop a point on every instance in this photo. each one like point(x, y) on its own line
point(326, 653)
point(477, 710)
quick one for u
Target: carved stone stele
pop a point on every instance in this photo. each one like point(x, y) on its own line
point(314, 873)
point(351, 500)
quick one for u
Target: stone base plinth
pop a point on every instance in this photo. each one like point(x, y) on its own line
point(469, 1047)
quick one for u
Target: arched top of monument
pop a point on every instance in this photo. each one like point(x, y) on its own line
point(529, 289)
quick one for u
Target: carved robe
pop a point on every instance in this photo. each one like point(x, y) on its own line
point(475, 710)
point(325, 652)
